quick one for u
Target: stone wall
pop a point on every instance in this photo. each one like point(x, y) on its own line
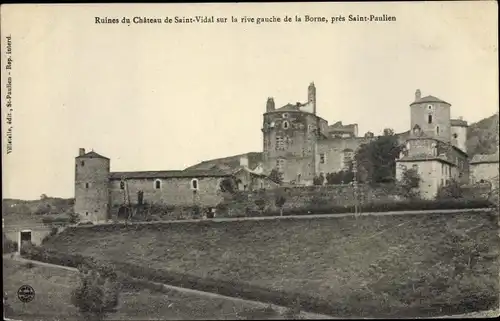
point(304, 197)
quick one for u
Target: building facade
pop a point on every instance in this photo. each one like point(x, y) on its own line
point(435, 148)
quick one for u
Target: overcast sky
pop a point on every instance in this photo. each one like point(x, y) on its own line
point(164, 97)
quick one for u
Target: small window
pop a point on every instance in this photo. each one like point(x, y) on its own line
point(455, 135)
point(429, 119)
point(286, 125)
point(86, 185)
point(321, 158)
point(194, 184)
point(122, 185)
point(157, 184)
point(82, 163)
point(285, 115)
point(437, 130)
point(429, 107)
point(87, 213)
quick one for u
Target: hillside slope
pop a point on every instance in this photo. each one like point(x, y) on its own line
point(229, 163)
point(363, 266)
point(482, 136)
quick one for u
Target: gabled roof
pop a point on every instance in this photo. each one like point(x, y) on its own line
point(482, 158)
point(429, 99)
point(92, 154)
point(169, 174)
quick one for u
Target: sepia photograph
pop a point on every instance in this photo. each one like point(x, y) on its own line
point(241, 161)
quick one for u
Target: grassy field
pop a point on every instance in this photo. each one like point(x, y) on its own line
point(364, 264)
point(53, 288)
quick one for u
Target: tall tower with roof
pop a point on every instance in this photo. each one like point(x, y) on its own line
point(92, 186)
point(430, 117)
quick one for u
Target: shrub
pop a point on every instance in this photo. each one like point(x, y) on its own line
point(452, 190)
point(8, 246)
point(409, 184)
point(97, 294)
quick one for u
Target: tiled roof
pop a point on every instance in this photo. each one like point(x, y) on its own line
point(169, 174)
point(490, 158)
point(91, 154)
point(429, 99)
point(290, 107)
point(458, 122)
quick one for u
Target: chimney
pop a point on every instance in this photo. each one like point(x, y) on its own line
point(244, 161)
point(81, 152)
point(418, 94)
point(270, 104)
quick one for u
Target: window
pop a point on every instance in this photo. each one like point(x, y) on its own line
point(429, 119)
point(321, 158)
point(122, 185)
point(429, 107)
point(87, 185)
point(140, 197)
point(87, 213)
point(82, 163)
point(280, 164)
point(280, 143)
point(347, 156)
point(194, 184)
point(298, 177)
point(285, 115)
point(455, 135)
point(286, 125)
point(157, 184)
point(437, 130)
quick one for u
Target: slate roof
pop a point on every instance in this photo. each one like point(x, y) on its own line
point(429, 99)
point(91, 154)
point(170, 174)
point(488, 158)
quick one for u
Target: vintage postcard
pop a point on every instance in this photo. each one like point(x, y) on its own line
point(250, 160)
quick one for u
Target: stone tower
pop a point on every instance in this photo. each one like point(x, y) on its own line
point(430, 117)
point(91, 186)
point(290, 135)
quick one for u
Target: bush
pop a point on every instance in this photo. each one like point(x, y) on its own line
point(96, 295)
point(8, 246)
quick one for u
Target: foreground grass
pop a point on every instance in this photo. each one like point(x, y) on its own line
point(363, 265)
point(53, 288)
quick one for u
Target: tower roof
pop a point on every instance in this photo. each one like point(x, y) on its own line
point(92, 154)
point(429, 99)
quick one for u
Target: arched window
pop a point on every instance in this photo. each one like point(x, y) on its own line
point(157, 184)
point(194, 184)
point(286, 124)
point(429, 119)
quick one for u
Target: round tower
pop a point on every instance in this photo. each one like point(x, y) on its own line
point(431, 116)
point(91, 186)
point(459, 133)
